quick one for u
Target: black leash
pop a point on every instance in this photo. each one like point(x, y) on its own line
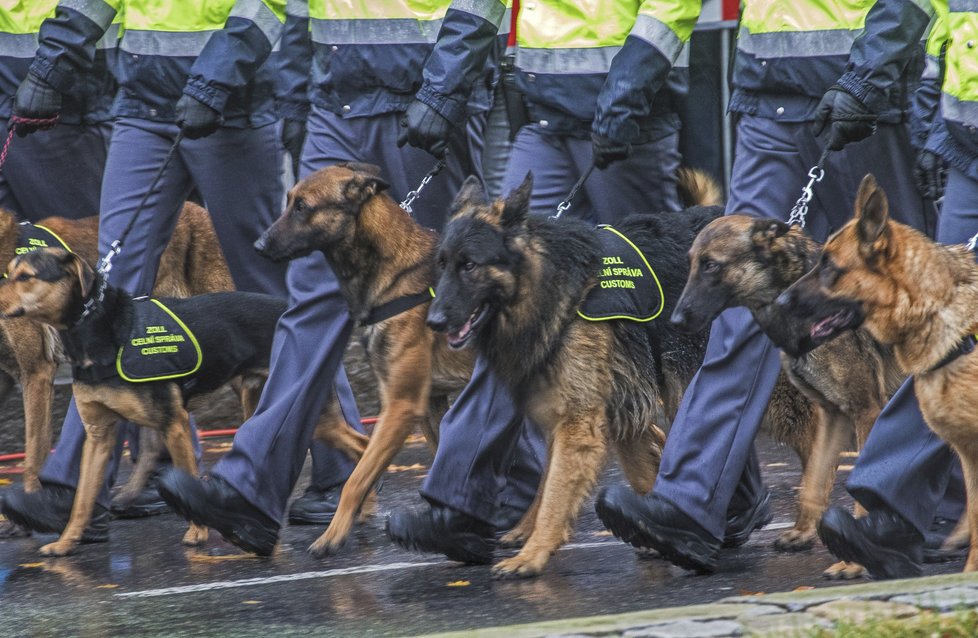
point(565, 204)
point(105, 263)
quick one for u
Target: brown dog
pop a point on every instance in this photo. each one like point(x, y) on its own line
point(192, 264)
point(385, 265)
point(918, 297)
point(739, 260)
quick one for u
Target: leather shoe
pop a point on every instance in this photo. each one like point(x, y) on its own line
point(147, 503)
point(653, 522)
point(741, 525)
point(48, 511)
point(214, 503)
point(442, 530)
point(316, 506)
point(882, 542)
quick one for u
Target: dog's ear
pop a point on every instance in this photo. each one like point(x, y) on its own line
point(472, 193)
point(517, 204)
point(767, 230)
point(362, 186)
point(872, 211)
point(77, 266)
point(362, 167)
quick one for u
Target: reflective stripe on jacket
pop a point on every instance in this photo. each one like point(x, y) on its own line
point(213, 50)
point(90, 98)
point(790, 53)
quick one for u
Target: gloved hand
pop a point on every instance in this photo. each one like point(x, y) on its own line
point(851, 119)
point(604, 151)
point(195, 118)
point(930, 175)
point(293, 137)
point(35, 99)
point(425, 128)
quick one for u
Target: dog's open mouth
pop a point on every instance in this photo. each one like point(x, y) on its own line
point(824, 329)
point(460, 337)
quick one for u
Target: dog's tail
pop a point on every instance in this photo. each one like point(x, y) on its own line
point(696, 188)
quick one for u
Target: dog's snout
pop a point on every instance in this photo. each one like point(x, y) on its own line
point(261, 243)
point(437, 320)
point(680, 316)
point(785, 299)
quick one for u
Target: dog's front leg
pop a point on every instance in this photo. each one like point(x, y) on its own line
point(577, 455)
point(38, 391)
point(100, 430)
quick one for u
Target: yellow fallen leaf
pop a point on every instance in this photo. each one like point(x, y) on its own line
point(4, 481)
point(777, 465)
point(107, 586)
point(603, 533)
point(250, 602)
point(407, 468)
point(31, 565)
point(803, 588)
point(459, 583)
point(845, 468)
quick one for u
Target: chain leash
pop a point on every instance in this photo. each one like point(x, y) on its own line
point(815, 175)
point(566, 203)
point(413, 195)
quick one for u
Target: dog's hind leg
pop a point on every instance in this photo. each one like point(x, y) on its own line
point(249, 389)
point(100, 430)
point(181, 449)
point(397, 419)
point(831, 436)
point(578, 453)
point(437, 407)
point(150, 447)
point(640, 456)
point(968, 454)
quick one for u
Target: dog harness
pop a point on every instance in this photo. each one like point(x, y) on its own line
point(32, 237)
point(965, 346)
point(396, 306)
point(160, 346)
point(627, 286)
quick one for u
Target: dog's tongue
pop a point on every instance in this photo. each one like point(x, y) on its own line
point(824, 327)
point(463, 332)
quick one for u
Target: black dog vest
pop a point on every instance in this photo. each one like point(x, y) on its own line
point(627, 286)
point(32, 237)
point(160, 346)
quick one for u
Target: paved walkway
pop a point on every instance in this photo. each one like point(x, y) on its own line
point(796, 613)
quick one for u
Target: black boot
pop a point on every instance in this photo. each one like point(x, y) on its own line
point(882, 541)
point(48, 511)
point(442, 530)
point(316, 506)
point(147, 503)
point(744, 523)
point(214, 503)
point(653, 522)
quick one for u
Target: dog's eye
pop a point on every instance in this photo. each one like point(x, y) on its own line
point(468, 266)
point(299, 205)
point(711, 266)
point(22, 277)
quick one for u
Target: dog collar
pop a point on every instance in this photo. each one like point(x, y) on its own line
point(396, 306)
point(965, 346)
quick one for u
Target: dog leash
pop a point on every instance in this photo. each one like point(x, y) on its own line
point(815, 175)
point(413, 195)
point(105, 263)
point(566, 202)
point(42, 124)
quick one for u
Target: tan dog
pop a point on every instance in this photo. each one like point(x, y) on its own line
point(385, 264)
point(918, 297)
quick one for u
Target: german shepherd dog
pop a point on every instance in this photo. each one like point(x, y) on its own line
point(380, 256)
point(192, 264)
point(918, 297)
point(739, 260)
point(58, 288)
point(511, 285)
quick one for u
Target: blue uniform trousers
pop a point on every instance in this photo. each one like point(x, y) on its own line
point(904, 465)
point(712, 436)
point(236, 172)
point(490, 455)
point(57, 172)
point(269, 449)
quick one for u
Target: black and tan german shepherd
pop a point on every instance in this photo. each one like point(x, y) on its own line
point(511, 285)
point(740, 260)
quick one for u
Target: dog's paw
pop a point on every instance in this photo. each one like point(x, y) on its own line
point(844, 571)
point(518, 566)
point(515, 537)
point(58, 548)
point(196, 535)
point(795, 540)
point(323, 547)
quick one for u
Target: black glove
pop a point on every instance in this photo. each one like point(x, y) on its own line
point(293, 137)
point(195, 118)
point(604, 151)
point(930, 175)
point(851, 119)
point(425, 128)
point(35, 99)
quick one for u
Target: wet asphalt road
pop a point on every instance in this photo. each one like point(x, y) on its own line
point(144, 583)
